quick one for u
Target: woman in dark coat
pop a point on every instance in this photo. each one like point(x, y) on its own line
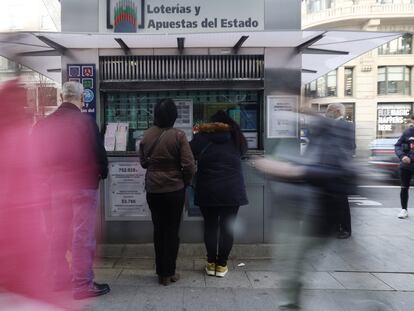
point(219, 190)
point(165, 153)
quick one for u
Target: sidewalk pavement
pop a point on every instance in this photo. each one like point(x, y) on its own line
point(374, 270)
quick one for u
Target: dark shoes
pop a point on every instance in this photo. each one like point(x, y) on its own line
point(343, 235)
point(168, 279)
point(94, 291)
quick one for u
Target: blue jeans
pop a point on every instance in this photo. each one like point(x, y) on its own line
point(73, 227)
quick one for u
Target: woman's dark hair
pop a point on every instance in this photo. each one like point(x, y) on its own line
point(236, 134)
point(165, 113)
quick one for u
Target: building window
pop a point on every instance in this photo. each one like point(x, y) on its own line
point(349, 110)
point(324, 86)
point(392, 119)
point(394, 80)
point(349, 81)
point(313, 6)
point(402, 45)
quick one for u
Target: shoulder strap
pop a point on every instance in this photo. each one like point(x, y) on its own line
point(152, 148)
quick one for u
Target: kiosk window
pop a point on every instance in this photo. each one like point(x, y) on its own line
point(136, 109)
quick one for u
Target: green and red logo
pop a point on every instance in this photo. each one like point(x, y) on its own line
point(126, 15)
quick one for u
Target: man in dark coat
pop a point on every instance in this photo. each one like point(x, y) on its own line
point(344, 133)
point(73, 160)
point(404, 149)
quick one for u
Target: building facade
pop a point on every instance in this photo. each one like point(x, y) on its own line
point(376, 88)
point(34, 15)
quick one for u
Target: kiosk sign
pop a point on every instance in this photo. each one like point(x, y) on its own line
point(184, 16)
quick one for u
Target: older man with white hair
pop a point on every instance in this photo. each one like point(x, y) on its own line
point(73, 160)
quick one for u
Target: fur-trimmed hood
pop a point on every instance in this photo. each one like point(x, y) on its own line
point(215, 127)
point(218, 133)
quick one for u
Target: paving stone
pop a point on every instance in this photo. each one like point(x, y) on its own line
point(110, 250)
point(265, 265)
point(354, 280)
point(136, 263)
point(233, 279)
point(160, 298)
point(136, 277)
point(139, 250)
point(105, 262)
point(185, 264)
point(191, 279)
point(398, 281)
point(106, 275)
point(119, 298)
point(210, 299)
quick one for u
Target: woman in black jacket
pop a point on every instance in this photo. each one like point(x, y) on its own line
point(219, 190)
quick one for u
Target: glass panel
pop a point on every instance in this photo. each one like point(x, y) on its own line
point(392, 119)
point(395, 73)
point(136, 108)
point(401, 45)
point(331, 85)
point(348, 79)
point(321, 86)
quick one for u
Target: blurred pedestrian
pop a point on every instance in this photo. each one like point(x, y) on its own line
point(220, 189)
point(73, 160)
point(404, 149)
point(23, 243)
point(344, 132)
point(305, 215)
point(165, 153)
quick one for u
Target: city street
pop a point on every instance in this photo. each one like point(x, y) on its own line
point(374, 270)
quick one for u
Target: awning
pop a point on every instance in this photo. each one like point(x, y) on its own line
point(321, 51)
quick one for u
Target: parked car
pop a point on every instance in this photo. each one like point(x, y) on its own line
point(383, 159)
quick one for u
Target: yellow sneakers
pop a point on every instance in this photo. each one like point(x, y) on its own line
point(211, 268)
point(221, 271)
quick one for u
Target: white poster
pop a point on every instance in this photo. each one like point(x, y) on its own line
point(282, 117)
point(110, 134)
point(184, 16)
point(251, 138)
point(185, 116)
point(127, 196)
point(121, 138)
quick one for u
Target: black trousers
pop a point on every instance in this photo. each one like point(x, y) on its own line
point(166, 210)
point(219, 232)
point(344, 213)
point(405, 176)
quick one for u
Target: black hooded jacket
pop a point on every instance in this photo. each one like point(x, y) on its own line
point(219, 179)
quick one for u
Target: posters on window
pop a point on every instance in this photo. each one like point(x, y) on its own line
point(116, 136)
point(127, 197)
point(282, 117)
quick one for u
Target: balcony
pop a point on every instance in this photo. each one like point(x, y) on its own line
point(364, 9)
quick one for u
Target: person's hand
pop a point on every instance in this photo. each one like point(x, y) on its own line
point(279, 169)
point(406, 160)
